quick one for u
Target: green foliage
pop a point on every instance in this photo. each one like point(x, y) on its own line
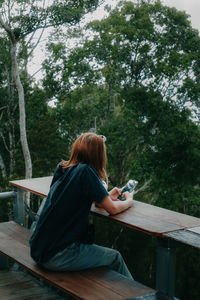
point(28, 16)
point(132, 78)
point(22, 18)
point(46, 144)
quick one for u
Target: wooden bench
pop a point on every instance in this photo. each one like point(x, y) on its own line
point(166, 225)
point(98, 284)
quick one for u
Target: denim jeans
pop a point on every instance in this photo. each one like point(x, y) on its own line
point(78, 256)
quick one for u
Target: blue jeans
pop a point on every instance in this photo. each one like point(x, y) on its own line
point(78, 256)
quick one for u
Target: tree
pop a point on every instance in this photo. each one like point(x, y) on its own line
point(8, 114)
point(22, 19)
point(139, 67)
point(149, 55)
point(151, 45)
point(144, 44)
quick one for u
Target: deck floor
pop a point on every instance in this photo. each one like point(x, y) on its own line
point(19, 285)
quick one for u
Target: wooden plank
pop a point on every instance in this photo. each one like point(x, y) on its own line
point(39, 186)
point(76, 283)
point(167, 215)
point(7, 279)
point(158, 296)
point(121, 284)
point(20, 290)
point(21, 286)
point(132, 218)
point(15, 232)
point(73, 282)
point(147, 297)
point(195, 229)
point(185, 236)
point(150, 219)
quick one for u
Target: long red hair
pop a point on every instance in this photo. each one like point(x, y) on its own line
point(88, 148)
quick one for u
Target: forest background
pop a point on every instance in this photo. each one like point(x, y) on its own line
point(133, 76)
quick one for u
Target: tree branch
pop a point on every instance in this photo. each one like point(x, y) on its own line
point(7, 29)
point(3, 108)
point(142, 188)
point(4, 142)
point(39, 39)
point(36, 72)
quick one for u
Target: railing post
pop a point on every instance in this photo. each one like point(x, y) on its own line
point(4, 262)
point(18, 215)
point(18, 207)
point(165, 268)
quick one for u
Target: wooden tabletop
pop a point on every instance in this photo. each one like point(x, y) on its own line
point(39, 186)
point(144, 217)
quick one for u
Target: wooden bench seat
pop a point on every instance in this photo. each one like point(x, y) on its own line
point(98, 284)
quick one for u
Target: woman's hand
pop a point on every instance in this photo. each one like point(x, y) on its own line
point(114, 193)
point(113, 205)
point(128, 195)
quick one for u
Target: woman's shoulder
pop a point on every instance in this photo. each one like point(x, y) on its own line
point(87, 167)
point(90, 172)
point(85, 170)
point(78, 169)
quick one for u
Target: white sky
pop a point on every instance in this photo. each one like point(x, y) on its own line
point(191, 7)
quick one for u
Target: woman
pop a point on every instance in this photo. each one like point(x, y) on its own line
point(62, 238)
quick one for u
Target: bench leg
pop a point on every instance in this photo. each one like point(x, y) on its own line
point(4, 262)
point(165, 268)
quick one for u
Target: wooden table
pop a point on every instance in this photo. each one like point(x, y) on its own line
point(162, 223)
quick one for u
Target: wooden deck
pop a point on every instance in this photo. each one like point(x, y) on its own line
point(19, 285)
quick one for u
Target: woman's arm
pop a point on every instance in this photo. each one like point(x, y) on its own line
point(114, 194)
point(115, 207)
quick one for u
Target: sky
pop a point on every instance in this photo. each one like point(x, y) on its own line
point(191, 7)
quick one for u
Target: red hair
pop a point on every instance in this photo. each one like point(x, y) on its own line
point(88, 148)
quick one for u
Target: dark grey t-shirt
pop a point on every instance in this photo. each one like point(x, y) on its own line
point(64, 218)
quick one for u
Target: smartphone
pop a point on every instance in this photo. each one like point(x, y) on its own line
point(129, 187)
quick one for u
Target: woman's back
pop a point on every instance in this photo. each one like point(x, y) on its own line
point(64, 218)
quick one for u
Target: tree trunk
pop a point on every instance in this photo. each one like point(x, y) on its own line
point(22, 115)
point(11, 121)
point(2, 167)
